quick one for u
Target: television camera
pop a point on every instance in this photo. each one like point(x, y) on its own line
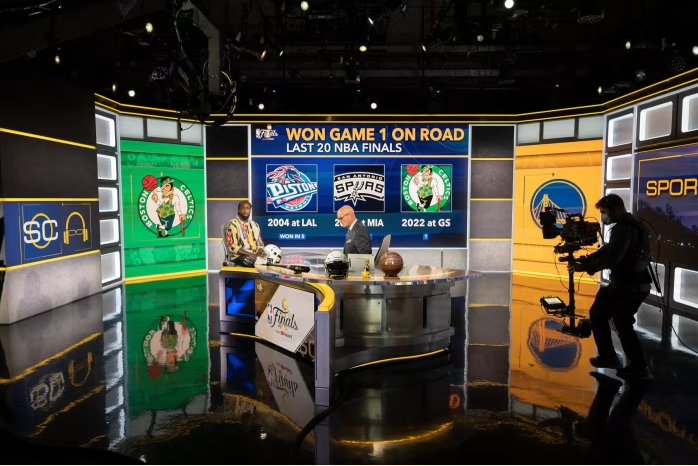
point(575, 233)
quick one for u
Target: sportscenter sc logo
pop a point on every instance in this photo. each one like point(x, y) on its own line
point(42, 230)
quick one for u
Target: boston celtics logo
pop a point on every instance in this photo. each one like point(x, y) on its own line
point(166, 206)
point(426, 188)
point(170, 341)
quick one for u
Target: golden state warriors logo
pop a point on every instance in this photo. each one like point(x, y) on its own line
point(558, 194)
point(166, 206)
point(553, 349)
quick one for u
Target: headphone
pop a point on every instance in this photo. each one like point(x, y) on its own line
point(66, 236)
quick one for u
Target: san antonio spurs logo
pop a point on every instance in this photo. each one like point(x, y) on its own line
point(426, 188)
point(166, 207)
point(170, 342)
point(360, 184)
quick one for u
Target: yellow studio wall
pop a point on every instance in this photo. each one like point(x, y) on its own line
point(549, 368)
point(567, 175)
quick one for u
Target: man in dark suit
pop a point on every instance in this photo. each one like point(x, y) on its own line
point(358, 239)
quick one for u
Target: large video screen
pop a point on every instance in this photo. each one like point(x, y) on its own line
point(667, 198)
point(409, 181)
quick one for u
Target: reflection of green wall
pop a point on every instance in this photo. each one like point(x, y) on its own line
point(145, 303)
point(144, 253)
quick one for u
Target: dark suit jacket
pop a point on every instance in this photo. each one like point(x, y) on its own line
point(359, 241)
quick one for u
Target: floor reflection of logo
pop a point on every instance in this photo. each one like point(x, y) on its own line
point(551, 348)
point(560, 194)
point(170, 341)
point(291, 189)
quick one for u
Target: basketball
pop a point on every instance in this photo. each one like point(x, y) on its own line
point(391, 263)
point(149, 182)
point(413, 169)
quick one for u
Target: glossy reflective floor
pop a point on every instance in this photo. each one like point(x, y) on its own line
point(141, 371)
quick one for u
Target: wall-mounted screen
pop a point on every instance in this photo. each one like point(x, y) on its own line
point(410, 181)
point(667, 198)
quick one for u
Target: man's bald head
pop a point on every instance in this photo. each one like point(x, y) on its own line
point(346, 216)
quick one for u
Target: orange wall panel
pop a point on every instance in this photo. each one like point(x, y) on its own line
point(566, 175)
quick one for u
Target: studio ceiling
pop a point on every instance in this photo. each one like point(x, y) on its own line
point(537, 55)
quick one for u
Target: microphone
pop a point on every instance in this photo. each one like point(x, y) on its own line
point(297, 268)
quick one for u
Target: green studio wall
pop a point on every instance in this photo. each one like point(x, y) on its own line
point(169, 238)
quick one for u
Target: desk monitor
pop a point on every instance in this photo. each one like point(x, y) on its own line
point(385, 245)
point(358, 261)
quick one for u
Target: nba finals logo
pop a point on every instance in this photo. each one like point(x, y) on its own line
point(166, 206)
point(426, 188)
point(558, 194)
point(292, 188)
point(267, 134)
point(360, 184)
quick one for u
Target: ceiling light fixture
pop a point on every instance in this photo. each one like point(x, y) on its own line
point(260, 106)
point(374, 105)
point(305, 6)
point(281, 52)
point(113, 87)
point(628, 45)
point(370, 21)
point(362, 48)
point(480, 38)
point(132, 93)
point(57, 59)
point(599, 90)
point(148, 27)
point(509, 4)
point(695, 50)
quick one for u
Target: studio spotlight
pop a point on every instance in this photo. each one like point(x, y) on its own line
point(424, 47)
point(509, 4)
point(480, 38)
point(374, 105)
point(362, 48)
point(370, 21)
point(260, 106)
point(113, 87)
point(132, 93)
point(628, 45)
point(148, 27)
point(599, 90)
point(281, 52)
point(305, 6)
point(263, 54)
point(695, 50)
point(57, 59)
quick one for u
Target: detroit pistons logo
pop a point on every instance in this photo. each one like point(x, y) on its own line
point(292, 188)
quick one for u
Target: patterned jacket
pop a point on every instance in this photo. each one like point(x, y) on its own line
point(240, 235)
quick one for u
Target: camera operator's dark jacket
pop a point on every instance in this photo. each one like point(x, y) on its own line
point(626, 254)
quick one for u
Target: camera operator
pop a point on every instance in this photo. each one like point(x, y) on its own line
point(627, 257)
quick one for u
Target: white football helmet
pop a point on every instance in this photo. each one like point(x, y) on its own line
point(273, 255)
point(336, 265)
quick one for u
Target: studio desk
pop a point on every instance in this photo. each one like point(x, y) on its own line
point(352, 322)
